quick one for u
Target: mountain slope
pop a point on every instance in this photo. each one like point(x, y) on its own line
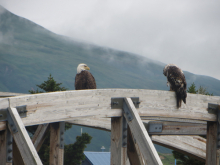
point(29, 53)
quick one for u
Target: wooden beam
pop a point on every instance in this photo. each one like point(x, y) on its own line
point(118, 152)
point(56, 106)
point(40, 135)
point(175, 128)
point(211, 143)
point(194, 146)
point(22, 139)
point(140, 134)
point(3, 136)
point(17, 158)
point(56, 152)
point(133, 151)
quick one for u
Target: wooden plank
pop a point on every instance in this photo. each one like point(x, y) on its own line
point(211, 143)
point(40, 135)
point(118, 153)
point(141, 136)
point(2, 125)
point(194, 146)
point(3, 140)
point(56, 153)
point(17, 158)
point(176, 128)
point(56, 106)
point(23, 141)
point(133, 151)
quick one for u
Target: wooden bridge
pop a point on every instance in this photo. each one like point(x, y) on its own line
point(136, 117)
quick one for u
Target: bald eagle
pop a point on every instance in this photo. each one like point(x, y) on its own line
point(84, 79)
point(177, 82)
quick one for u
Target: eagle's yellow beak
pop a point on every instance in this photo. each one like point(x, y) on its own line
point(87, 68)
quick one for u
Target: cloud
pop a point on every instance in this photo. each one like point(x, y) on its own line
point(182, 32)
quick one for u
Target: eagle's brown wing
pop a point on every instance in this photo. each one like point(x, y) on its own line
point(84, 80)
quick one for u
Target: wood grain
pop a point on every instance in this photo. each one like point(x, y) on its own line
point(40, 135)
point(3, 136)
point(56, 154)
point(141, 136)
point(118, 153)
point(57, 106)
point(211, 146)
point(23, 141)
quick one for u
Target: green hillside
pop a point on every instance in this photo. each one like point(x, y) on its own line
point(29, 53)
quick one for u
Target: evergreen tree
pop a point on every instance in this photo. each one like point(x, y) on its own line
point(51, 86)
point(186, 160)
point(192, 89)
point(73, 153)
point(202, 90)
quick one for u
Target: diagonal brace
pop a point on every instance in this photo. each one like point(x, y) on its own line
point(140, 134)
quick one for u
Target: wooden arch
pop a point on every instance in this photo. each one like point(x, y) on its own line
point(89, 104)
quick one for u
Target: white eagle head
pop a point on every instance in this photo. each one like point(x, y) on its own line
point(82, 67)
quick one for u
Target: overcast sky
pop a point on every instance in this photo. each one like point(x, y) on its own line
point(183, 32)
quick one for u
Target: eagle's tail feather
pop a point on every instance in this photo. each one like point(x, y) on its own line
point(178, 99)
point(181, 95)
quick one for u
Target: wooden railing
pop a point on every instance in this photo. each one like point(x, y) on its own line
point(92, 107)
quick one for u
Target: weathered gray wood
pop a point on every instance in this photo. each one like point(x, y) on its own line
point(51, 107)
point(23, 141)
point(194, 146)
point(2, 125)
point(118, 153)
point(40, 135)
point(177, 128)
point(56, 153)
point(141, 136)
point(10, 94)
point(211, 143)
point(133, 151)
point(3, 140)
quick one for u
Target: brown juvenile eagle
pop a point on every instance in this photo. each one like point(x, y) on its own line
point(177, 82)
point(84, 79)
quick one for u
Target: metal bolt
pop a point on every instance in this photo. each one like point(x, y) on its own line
point(25, 111)
point(115, 103)
point(9, 158)
point(124, 144)
point(138, 102)
point(9, 150)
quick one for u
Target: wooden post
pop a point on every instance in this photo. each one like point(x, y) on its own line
point(3, 135)
point(140, 134)
point(22, 139)
point(40, 135)
point(56, 150)
point(211, 143)
point(118, 152)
